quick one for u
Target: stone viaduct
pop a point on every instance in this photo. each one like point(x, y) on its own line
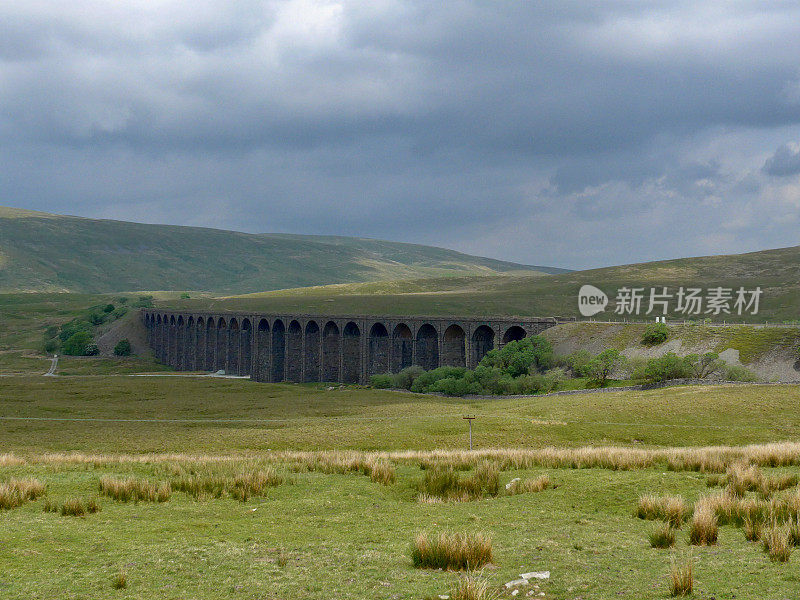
point(298, 348)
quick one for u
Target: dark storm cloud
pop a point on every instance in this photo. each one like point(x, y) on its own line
point(785, 161)
point(445, 123)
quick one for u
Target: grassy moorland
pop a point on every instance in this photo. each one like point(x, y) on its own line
point(775, 271)
point(307, 520)
point(41, 252)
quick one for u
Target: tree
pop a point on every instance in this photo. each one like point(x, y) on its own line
point(516, 358)
point(704, 365)
point(77, 343)
point(123, 347)
point(600, 368)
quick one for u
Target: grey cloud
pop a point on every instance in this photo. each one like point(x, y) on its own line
point(434, 122)
point(785, 161)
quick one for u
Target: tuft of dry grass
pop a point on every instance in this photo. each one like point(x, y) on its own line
point(204, 482)
point(125, 490)
point(120, 581)
point(743, 477)
point(673, 509)
point(448, 485)
point(15, 492)
point(663, 536)
point(471, 587)
point(777, 543)
point(538, 484)
point(794, 532)
point(451, 551)
point(752, 529)
point(681, 578)
point(74, 507)
point(382, 472)
point(703, 530)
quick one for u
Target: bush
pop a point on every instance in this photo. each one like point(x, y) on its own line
point(50, 346)
point(669, 366)
point(91, 350)
point(123, 347)
point(425, 381)
point(655, 333)
point(576, 362)
point(518, 357)
point(405, 378)
point(185, 296)
point(108, 308)
point(453, 386)
point(739, 373)
point(704, 365)
point(77, 344)
point(144, 302)
point(381, 382)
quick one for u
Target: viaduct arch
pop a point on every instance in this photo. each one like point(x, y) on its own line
point(303, 347)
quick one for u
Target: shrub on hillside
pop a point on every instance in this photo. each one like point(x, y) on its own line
point(108, 308)
point(704, 365)
point(91, 350)
point(655, 333)
point(600, 368)
point(664, 368)
point(77, 344)
point(123, 347)
point(144, 302)
point(739, 373)
point(575, 362)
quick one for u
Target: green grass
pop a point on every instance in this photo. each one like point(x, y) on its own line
point(327, 534)
point(309, 417)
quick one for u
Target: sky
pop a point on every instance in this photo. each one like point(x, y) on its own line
point(570, 134)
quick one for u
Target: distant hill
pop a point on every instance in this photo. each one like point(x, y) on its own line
point(777, 272)
point(40, 252)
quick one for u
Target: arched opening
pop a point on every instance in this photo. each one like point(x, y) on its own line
point(172, 358)
point(278, 350)
point(513, 334)
point(262, 366)
point(211, 344)
point(221, 363)
point(454, 353)
point(402, 348)
point(427, 347)
point(158, 340)
point(482, 342)
point(351, 353)
point(311, 355)
point(294, 352)
point(233, 347)
point(378, 351)
point(188, 345)
point(246, 349)
point(200, 350)
point(330, 352)
point(180, 343)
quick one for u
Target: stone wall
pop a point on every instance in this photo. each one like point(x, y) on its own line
point(285, 347)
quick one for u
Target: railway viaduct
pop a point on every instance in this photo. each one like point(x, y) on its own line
point(298, 348)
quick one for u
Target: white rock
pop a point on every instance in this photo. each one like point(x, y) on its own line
point(444, 597)
point(515, 592)
point(535, 575)
point(516, 582)
point(512, 482)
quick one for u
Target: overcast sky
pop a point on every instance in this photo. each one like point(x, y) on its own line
point(573, 134)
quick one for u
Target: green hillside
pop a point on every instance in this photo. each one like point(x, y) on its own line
point(40, 252)
point(777, 272)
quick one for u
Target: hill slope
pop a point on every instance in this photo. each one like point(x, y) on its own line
point(52, 253)
point(777, 272)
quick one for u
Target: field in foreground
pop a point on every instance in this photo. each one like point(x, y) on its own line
point(323, 529)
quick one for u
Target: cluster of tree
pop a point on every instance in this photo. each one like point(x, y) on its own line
point(76, 337)
point(520, 367)
point(529, 367)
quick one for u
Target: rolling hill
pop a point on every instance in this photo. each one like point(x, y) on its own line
point(41, 252)
point(776, 272)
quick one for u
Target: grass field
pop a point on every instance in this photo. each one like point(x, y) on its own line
point(331, 532)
